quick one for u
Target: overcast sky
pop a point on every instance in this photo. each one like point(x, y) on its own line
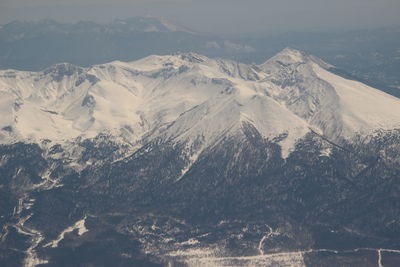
point(228, 16)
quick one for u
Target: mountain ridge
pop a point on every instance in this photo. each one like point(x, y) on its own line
point(184, 93)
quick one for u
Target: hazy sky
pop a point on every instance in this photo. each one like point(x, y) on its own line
point(218, 16)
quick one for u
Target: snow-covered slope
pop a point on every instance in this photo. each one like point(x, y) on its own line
point(334, 106)
point(189, 97)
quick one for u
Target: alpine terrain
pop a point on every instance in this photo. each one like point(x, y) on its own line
point(185, 160)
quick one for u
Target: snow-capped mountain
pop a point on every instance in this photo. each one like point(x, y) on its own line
point(189, 97)
point(184, 160)
point(21, 29)
point(148, 24)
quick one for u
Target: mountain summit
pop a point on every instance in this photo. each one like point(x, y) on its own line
point(189, 97)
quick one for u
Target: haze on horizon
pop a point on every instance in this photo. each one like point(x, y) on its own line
point(217, 16)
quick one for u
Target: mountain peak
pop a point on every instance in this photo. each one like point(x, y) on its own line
point(192, 57)
point(290, 56)
point(60, 70)
point(64, 67)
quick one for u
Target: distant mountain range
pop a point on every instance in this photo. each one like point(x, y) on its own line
point(37, 45)
point(186, 160)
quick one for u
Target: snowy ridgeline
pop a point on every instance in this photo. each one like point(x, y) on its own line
point(189, 97)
